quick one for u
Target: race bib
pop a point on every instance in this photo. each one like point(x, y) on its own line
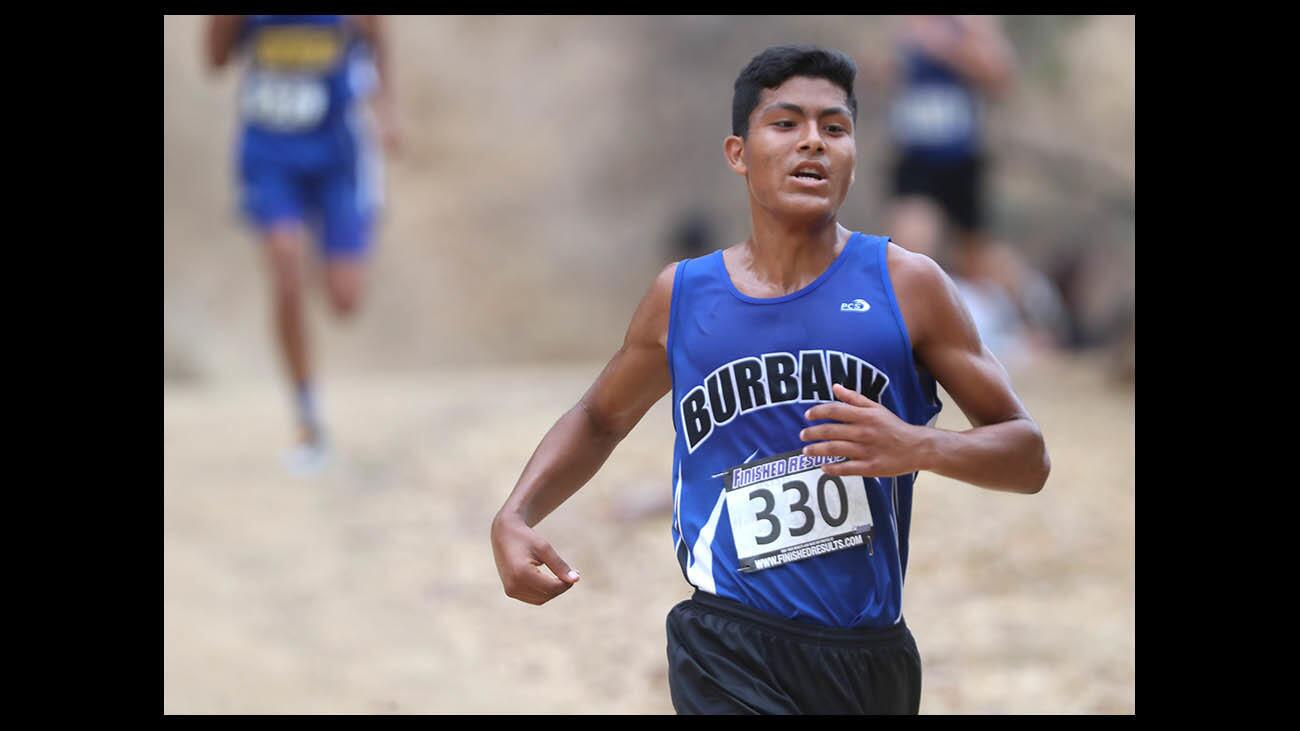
point(934, 115)
point(285, 102)
point(786, 509)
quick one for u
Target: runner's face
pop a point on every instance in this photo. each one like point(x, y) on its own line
point(800, 154)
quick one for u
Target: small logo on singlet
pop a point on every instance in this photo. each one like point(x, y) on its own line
point(857, 305)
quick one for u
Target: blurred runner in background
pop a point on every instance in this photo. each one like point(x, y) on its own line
point(943, 68)
point(308, 168)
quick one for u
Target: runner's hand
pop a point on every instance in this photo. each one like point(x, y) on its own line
point(520, 554)
point(876, 442)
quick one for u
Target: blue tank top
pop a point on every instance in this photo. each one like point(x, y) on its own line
point(753, 520)
point(936, 112)
point(305, 72)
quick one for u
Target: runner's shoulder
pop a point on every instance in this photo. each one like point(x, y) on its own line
point(649, 325)
point(912, 272)
point(660, 296)
point(921, 287)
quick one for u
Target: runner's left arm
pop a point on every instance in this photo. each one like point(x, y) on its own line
point(1004, 449)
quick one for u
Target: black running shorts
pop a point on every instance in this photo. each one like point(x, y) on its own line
point(956, 186)
point(725, 657)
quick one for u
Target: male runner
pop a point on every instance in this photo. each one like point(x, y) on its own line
point(306, 166)
point(803, 364)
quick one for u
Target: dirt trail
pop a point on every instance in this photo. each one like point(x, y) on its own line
point(371, 589)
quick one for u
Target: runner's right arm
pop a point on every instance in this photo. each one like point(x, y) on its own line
point(576, 447)
point(223, 32)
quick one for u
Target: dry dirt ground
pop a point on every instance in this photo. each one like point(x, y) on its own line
point(371, 588)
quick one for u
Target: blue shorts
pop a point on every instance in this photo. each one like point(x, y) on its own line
point(327, 182)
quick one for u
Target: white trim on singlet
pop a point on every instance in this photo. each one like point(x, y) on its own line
point(898, 548)
point(700, 561)
point(701, 570)
point(677, 511)
point(897, 543)
point(369, 163)
point(363, 80)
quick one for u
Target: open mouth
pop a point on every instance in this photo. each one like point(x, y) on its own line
point(808, 175)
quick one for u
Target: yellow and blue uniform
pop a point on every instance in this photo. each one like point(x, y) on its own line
point(305, 153)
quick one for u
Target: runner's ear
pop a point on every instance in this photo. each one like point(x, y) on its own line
point(734, 149)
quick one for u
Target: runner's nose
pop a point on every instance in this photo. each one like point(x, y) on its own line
point(813, 140)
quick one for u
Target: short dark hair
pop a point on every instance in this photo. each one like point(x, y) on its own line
point(773, 66)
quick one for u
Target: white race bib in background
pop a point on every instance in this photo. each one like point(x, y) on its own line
point(284, 102)
point(933, 115)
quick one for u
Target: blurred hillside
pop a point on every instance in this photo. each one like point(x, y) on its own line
point(547, 161)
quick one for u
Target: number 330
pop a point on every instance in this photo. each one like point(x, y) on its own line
point(801, 506)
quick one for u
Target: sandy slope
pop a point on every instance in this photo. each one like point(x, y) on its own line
point(372, 588)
